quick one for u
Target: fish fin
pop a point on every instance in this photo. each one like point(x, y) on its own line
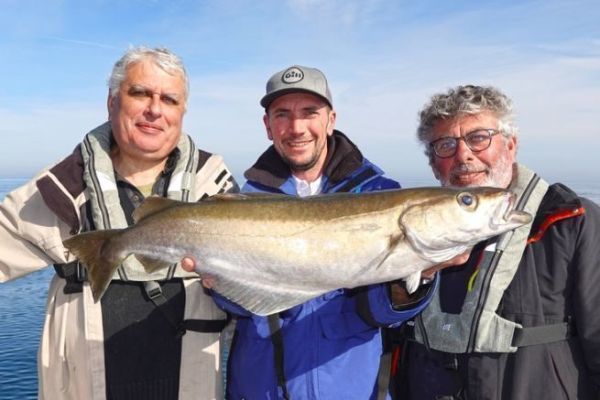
point(247, 196)
point(445, 255)
point(392, 245)
point(151, 264)
point(413, 281)
point(262, 299)
point(93, 249)
point(227, 196)
point(152, 205)
point(395, 241)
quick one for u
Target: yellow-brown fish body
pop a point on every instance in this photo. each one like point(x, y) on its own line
point(271, 252)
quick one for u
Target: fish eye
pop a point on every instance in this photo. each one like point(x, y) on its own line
point(467, 200)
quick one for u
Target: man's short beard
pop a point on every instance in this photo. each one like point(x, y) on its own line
point(300, 167)
point(499, 176)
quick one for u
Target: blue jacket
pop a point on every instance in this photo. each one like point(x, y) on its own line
point(331, 344)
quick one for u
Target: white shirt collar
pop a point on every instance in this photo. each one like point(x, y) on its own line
point(304, 188)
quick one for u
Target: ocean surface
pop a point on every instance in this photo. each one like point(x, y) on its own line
point(22, 307)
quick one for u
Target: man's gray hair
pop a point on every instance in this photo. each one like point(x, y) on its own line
point(160, 56)
point(465, 100)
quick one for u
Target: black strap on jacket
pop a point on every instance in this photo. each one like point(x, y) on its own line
point(74, 273)
point(154, 292)
point(530, 336)
point(277, 339)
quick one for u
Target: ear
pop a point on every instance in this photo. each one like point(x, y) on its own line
point(110, 104)
point(267, 126)
point(512, 145)
point(331, 122)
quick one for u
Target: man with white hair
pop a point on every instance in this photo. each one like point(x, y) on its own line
point(152, 336)
point(518, 320)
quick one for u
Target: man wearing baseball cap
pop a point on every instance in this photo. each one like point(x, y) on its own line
point(329, 347)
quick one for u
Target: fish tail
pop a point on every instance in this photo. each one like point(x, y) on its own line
point(97, 252)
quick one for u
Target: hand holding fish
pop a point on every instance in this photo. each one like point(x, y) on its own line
point(399, 294)
point(189, 264)
point(401, 297)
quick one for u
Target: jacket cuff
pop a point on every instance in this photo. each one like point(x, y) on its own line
point(423, 291)
point(377, 309)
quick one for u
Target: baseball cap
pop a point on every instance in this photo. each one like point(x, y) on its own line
point(297, 79)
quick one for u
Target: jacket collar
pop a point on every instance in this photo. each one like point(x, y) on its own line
point(64, 183)
point(343, 159)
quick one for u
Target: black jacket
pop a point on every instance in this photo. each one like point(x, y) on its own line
point(558, 280)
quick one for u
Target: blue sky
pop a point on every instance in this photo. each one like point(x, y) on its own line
point(383, 60)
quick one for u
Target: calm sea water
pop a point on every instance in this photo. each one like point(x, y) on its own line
point(22, 307)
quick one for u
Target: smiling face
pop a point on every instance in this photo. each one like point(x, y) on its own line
point(490, 167)
point(299, 124)
point(146, 114)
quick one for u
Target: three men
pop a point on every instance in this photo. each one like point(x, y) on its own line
point(519, 319)
point(516, 321)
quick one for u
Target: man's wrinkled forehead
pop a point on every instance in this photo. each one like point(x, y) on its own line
point(143, 74)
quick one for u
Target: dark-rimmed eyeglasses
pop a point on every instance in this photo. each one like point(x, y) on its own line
point(477, 140)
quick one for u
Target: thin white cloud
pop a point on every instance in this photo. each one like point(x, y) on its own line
point(82, 42)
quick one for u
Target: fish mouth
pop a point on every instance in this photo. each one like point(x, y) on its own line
point(511, 215)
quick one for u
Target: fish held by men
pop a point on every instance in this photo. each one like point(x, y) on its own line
point(271, 252)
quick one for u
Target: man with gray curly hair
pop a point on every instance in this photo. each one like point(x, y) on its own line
point(485, 106)
point(519, 319)
point(152, 336)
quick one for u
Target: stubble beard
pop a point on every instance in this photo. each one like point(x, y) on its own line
point(499, 176)
point(301, 167)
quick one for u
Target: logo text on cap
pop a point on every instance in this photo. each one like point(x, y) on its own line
point(292, 75)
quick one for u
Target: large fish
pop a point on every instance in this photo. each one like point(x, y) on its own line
point(271, 252)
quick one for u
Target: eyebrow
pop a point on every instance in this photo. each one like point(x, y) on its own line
point(136, 86)
point(447, 135)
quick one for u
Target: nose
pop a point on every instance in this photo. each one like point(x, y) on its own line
point(463, 152)
point(297, 126)
point(154, 106)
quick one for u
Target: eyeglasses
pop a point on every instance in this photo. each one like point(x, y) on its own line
point(476, 141)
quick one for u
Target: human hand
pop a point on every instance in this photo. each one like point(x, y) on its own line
point(401, 297)
point(189, 264)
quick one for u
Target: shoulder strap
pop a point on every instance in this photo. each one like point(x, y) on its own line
point(277, 340)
